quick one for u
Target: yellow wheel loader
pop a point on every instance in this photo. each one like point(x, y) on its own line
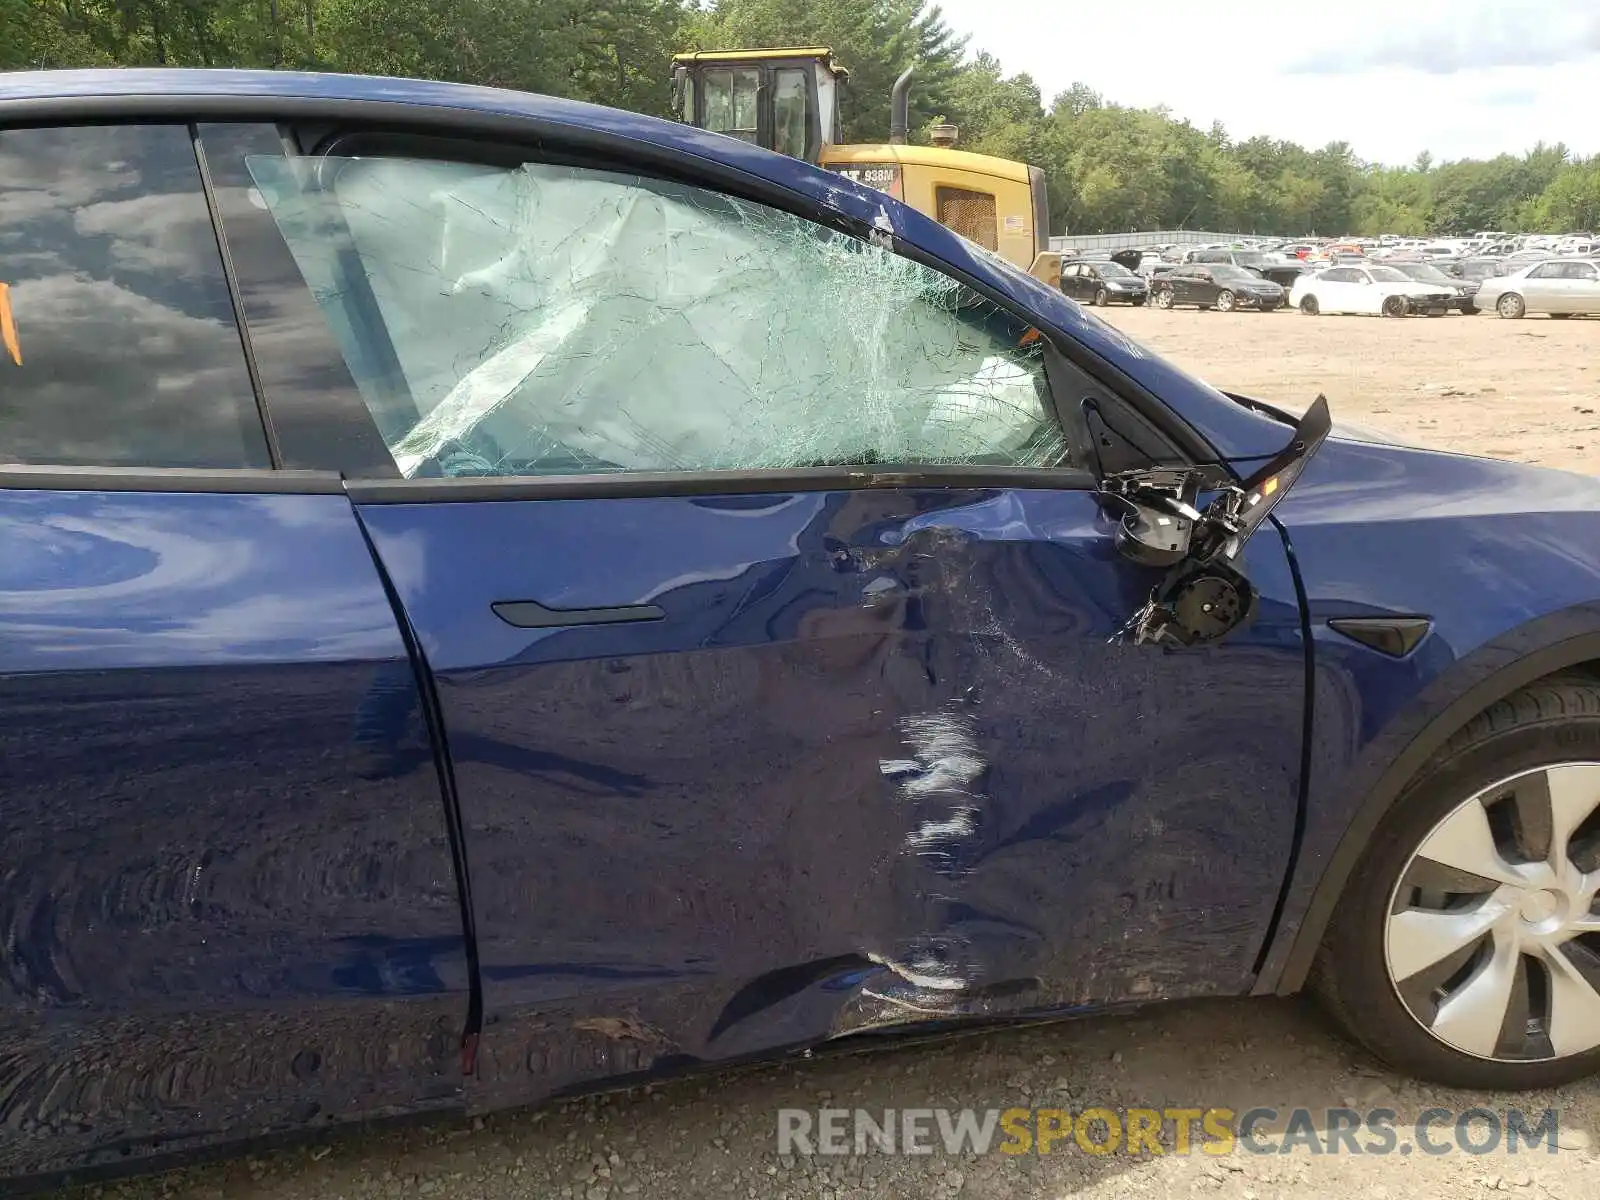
point(788, 100)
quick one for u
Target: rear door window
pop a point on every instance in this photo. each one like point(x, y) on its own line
point(120, 344)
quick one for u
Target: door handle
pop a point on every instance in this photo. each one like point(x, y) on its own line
point(530, 614)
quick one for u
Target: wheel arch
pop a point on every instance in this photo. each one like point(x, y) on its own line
point(1503, 668)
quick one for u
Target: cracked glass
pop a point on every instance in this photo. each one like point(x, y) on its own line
point(549, 319)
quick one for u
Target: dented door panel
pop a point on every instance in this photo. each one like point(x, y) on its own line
point(876, 764)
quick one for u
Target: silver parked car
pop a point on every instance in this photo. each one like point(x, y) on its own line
point(1561, 287)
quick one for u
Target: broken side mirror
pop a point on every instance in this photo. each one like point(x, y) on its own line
point(1204, 595)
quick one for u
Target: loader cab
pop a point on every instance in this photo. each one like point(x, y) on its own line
point(785, 100)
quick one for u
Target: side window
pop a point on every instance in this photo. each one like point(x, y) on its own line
point(122, 346)
point(548, 320)
point(790, 112)
point(731, 102)
point(1582, 271)
point(1546, 271)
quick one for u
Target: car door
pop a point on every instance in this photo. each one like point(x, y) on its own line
point(773, 622)
point(1544, 289)
point(1183, 281)
point(1582, 284)
point(1203, 287)
point(1340, 290)
point(1070, 280)
point(227, 896)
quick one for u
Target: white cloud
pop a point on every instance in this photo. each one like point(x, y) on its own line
point(1457, 78)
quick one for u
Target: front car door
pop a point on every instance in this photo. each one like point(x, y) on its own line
point(1582, 282)
point(227, 892)
point(1544, 289)
point(1337, 290)
point(772, 619)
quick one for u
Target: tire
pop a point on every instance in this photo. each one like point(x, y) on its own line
point(1309, 306)
point(1225, 300)
point(1382, 969)
point(1395, 306)
point(1100, 297)
point(1510, 306)
point(1164, 298)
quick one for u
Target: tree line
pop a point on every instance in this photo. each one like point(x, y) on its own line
point(1109, 167)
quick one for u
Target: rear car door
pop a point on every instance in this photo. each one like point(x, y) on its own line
point(227, 894)
point(771, 615)
point(1072, 280)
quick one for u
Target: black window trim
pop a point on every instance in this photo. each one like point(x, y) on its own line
point(231, 278)
point(605, 149)
point(621, 484)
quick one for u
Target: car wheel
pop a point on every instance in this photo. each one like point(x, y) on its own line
point(1309, 306)
point(1395, 306)
point(1100, 297)
point(1225, 300)
point(1510, 306)
point(1466, 948)
point(1164, 299)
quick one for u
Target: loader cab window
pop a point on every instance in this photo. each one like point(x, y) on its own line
point(686, 97)
point(790, 112)
point(730, 102)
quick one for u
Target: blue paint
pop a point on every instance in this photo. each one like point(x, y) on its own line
point(224, 908)
point(662, 816)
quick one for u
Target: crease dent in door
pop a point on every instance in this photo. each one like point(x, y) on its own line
point(878, 764)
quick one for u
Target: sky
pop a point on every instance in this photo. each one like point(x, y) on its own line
point(1458, 78)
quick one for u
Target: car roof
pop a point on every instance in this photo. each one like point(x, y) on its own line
point(195, 93)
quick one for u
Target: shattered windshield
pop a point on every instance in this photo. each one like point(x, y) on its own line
point(550, 319)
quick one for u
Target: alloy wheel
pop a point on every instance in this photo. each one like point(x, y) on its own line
point(1492, 942)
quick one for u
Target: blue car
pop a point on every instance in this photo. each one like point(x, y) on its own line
point(501, 597)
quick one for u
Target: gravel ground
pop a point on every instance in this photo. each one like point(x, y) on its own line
point(1526, 390)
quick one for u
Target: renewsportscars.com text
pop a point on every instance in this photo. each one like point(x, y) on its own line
point(1161, 1131)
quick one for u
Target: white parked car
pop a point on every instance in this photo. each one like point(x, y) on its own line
point(1368, 289)
point(1561, 287)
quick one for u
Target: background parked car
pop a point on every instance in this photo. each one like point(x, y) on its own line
point(1370, 290)
point(1559, 287)
point(1476, 270)
point(1464, 289)
point(1103, 283)
point(1279, 269)
point(1221, 285)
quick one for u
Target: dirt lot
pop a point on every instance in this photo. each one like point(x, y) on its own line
point(1527, 390)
